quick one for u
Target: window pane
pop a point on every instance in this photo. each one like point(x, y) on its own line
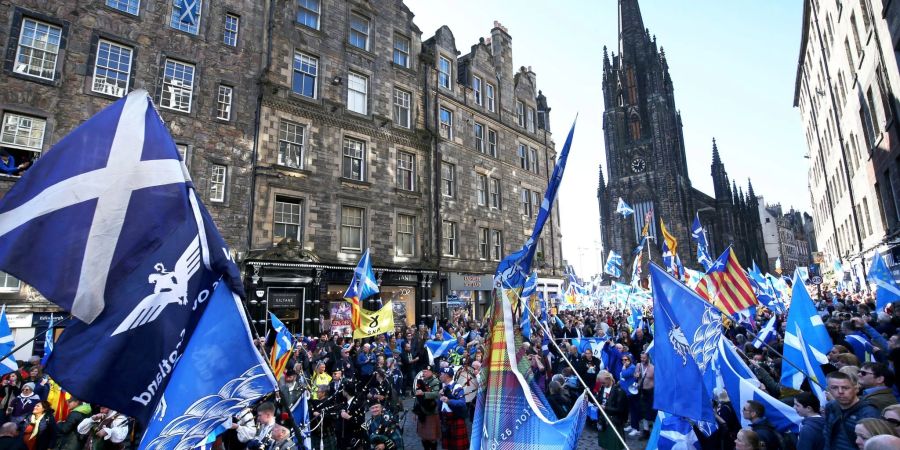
point(38, 49)
point(290, 144)
point(401, 50)
point(129, 6)
point(287, 218)
point(232, 23)
point(306, 69)
point(112, 69)
point(401, 107)
point(444, 72)
point(352, 228)
point(217, 183)
point(178, 86)
point(308, 13)
point(354, 159)
point(359, 31)
point(357, 93)
point(186, 15)
point(23, 132)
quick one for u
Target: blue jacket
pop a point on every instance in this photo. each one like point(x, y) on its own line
point(614, 359)
point(628, 378)
point(811, 431)
point(840, 424)
point(8, 167)
point(366, 363)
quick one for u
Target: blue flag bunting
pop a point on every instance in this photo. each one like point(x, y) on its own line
point(886, 289)
point(220, 373)
point(671, 432)
point(134, 254)
point(48, 341)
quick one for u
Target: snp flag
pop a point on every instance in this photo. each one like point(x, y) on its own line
point(134, 254)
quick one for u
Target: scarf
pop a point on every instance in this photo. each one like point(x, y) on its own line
point(35, 423)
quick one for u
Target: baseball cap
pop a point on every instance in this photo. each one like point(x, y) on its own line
point(447, 371)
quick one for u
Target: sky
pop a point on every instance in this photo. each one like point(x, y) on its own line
point(733, 66)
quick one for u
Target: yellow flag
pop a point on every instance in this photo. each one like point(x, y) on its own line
point(671, 242)
point(373, 323)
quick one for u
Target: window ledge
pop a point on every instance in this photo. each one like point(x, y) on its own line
point(136, 17)
point(408, 70)
point(355, 183)
point(52, 83)
point(298, 170)
point(361, 51)
point(407, 193)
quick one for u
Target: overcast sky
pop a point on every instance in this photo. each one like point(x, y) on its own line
point(733, 65)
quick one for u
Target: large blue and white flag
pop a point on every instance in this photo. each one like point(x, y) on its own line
point(672, 432)
point(687, 332)
point(49, 337)
point(766, 335)
point(7, 344)
point(698, 235)
point(802, 272)
point(623, 208)
point(886, 289)
point(613, 264)
point(300, 414)
point(806, 343)
point(437, 349)
point(134, 254)
point(219, 374)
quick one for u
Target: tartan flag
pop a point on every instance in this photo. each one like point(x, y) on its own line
point(726, 285)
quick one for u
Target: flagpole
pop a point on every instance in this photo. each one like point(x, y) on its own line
point(33, 338)
point(772, 349)
point(587, 389)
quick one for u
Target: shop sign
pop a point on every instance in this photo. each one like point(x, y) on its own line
point(19, 320)
point(43, 319)
point(389, 278)
point(284, 298)
point(471, 282)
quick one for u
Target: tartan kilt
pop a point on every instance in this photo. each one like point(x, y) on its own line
point(454, 435)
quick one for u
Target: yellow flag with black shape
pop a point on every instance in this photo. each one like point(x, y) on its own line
point(373, 323)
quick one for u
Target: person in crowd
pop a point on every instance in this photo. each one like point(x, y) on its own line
point(747, 440)
point(727, 421)
point(321, 377)
point(408, 362)
point(892, 415)
point(290, 388)
point(23, 404)
point(381, 391)
point(365, 361)
point(868, 428)
point(588, 367)
point(10, 387)
point(258, 434)
point(874, 378)
point(755, 413)
point(9, 437)
point(645, 374)
point(105, 428)
point(882, 442)
point(350, 418)
point(38, 429)
point(454, 435)
point(382, 429)
point(39, 380)
point(628, 381)
point(8, 164)
point(614, 403)
point(844, 412)
point(811, 431)
point(426, 408)
point(69, 437)
point(322, 407)
point(281, 439)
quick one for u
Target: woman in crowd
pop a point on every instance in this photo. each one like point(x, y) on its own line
point(747, 440)
point(868, 428)
point(38, 429)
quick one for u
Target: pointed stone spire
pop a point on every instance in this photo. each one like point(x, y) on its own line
point(631, 26)
point(751, 196)
point(605, 58)
point(716, 158)
point(602, 185)
point(734, 192)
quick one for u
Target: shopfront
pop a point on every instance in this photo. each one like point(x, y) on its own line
point(467, 294)
point(403, 288)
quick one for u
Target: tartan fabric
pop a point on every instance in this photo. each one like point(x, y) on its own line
point(454, 435)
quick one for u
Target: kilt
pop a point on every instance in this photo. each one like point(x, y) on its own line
point(429, 429)
point(454, 435)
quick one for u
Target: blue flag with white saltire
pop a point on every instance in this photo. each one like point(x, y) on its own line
point(886, 289)
point(134, 254)
point(806, 343)
point(527, 291)
point(220, 373)
point(687, 330)
point(300, 414)
point(623, 208)
point(7, 344)
point(802, 272)
point(613, 265)
point(766, 335)
point(672, 432)
point(740, 383)
point(698, 235)
point(48, 341)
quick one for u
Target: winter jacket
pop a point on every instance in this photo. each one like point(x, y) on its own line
point(810, 437)
point(881, 397)
point(840, 424)
point(69, 438)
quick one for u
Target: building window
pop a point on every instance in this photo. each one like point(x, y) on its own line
point(481, 189)
point(183, 153)
point(223, 102)
point(492, 142)
point(8, 283)
point(496, 245)
point(287, 218)
point(129, 6)
point(526, 203)
point(865, 117)
point(448, 180)
point(641, 211)
point(476, 86)
point(520, 113)
point(354, 159)
point(849, 54)
point(38, 49)
point(406, 235)
point(308, 13)
point(306, 69)
point(634, 128)
point(357, 93)
point(232, 24)
point(352, 220)
point(484, 243)
point(529, 119)
point(401, 50)
point(23, 132)
point(536, 202)
point(217, 183)
point(359, 31)
point(489, 93)
point(186, 15)
point(496, 198)
point(112, 69)
point(290, 144)
point(523, 156)
point(406, 171)
point(444, 72)
point(402, 101)
point(449, 238)
point(178, 86)
point(446, 124)
point(533, 160)
point(868, 216)
point(479, 137)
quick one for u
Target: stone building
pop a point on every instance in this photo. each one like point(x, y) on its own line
point(65, 61)
point(647, 164)
point(785, 236)
point(845, 73)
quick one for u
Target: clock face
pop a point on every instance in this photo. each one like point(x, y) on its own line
point(638, 165)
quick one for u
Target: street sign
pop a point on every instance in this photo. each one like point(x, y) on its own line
point(816, 280)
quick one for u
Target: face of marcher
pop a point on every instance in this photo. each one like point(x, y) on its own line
point(843, 391)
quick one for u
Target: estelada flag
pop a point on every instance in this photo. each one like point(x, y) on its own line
point(59, 400)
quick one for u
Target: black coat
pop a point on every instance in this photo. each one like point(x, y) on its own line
point(47, 431)
point(616, 406)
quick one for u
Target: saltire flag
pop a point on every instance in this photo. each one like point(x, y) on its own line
point(861, 347)
point(220, 374)
point(672, 432)
point(527, 303)
point(49, 338)
point(764, 290)
point(623, 208)
point(59, 400)
point(282, 348)
point(726, 285)
point(636, 320)
point(510, 404)
point(803, 272)
point(687, 331)
point(300, 414)
point(613, 264)
point(698, 235)
point(778, 265)
point(806, 343)
point(595, 343)
point(766, 335)
point(188, 11)
point(437, 349)
point(7, 344)
point(886, 289)
point(134, 254)
point(741, 385)
point(373, 323)
point(362, 286)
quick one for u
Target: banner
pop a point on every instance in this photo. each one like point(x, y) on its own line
point(373, 323)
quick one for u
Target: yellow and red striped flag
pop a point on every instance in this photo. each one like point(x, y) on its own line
point(59, 401)
point(726, 285)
